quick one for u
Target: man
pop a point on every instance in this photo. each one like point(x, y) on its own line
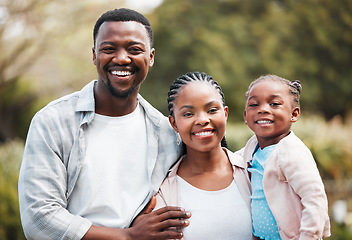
point(93, 159)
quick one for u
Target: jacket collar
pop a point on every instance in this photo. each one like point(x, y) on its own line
point(235, 160)
point(86, 103)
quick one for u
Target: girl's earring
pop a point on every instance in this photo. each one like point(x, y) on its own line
point(178, 139)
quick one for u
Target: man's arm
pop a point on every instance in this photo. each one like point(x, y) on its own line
point(160, 224)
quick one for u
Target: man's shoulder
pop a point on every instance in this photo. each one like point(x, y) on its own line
point(68, 105)
point(154, 114)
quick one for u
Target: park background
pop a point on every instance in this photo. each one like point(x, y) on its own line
point(46, 53)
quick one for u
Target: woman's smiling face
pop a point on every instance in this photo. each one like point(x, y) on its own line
point(199, 116)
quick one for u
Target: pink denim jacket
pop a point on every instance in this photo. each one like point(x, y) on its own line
point(294, 189)
point(168, 194)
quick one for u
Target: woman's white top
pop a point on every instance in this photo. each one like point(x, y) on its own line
point(221, 214)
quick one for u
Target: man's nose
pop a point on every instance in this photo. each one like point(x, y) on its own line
point(121, 57)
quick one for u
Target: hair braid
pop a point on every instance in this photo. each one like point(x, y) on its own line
point(295, 87)
point(190, 77)
point(182, 81)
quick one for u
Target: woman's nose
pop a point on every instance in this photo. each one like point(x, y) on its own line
point(202, 119)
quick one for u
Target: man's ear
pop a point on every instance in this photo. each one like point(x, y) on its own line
point(151, 59)
point(296, 112)
point(173, 123)
point(94, 55)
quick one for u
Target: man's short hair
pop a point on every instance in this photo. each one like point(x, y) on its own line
point(124, 15)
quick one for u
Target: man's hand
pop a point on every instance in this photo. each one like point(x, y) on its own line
point(164, 223)
point(149, 208)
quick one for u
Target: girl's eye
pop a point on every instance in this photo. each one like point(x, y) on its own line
point(274, 104)
point(213, 110)
point(252, 105)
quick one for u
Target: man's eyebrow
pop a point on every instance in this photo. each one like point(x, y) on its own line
point(107, 43)
point(129, 44)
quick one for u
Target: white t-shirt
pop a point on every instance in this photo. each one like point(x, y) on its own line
point(113, 181)
point(219, 214)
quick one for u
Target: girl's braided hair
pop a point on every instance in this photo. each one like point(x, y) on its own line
point(294, 87)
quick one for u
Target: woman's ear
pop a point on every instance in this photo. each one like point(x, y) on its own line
point(296, 112)
point(226, 109)
point(173, 123)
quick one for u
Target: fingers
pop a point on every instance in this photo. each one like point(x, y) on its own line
point(173, 212)
point(172, 217)
point(172, 233)
point(151, 205)
point(164, 223)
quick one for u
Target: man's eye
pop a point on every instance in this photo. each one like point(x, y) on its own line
point(108, 50)
point(135, 50)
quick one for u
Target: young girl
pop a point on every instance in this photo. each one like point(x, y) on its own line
point(288, 199)
point(209, 181)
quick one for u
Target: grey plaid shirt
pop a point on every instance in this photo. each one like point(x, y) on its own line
point(52, 160)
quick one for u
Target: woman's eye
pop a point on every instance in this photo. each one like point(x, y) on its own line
point(187, 114)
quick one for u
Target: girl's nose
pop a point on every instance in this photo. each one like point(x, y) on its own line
point(263, 108)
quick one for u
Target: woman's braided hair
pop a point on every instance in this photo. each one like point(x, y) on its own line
point(187, 78)
point(183, 80)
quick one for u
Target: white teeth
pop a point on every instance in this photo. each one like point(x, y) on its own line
point(264, 122)
point(203, 133)
point(121, 73)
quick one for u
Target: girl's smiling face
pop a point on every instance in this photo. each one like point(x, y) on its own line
point(199, 116)
point(270, 112)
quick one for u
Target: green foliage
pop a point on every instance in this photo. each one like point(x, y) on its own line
point(340, 232)
point(237, 41)
point(329, 142)
point(10, 160)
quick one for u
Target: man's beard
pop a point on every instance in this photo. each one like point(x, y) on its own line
point(120, 94)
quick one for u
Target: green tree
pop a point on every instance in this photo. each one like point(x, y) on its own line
point(237, 41)
point(10, 160)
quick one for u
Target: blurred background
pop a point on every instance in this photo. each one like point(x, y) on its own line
point(46, 53)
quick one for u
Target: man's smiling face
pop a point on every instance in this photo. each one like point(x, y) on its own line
point(122, 55)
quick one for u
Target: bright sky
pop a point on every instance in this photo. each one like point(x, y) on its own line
point(143, 5)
